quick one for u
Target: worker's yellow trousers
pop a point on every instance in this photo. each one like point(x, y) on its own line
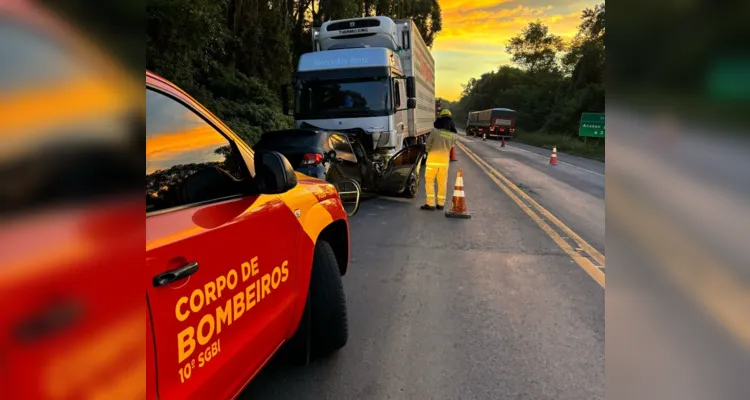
point(437, 171)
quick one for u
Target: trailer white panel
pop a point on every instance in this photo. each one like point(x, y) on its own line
point(417, 61)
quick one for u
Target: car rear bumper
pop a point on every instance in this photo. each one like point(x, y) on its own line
point(508, 133)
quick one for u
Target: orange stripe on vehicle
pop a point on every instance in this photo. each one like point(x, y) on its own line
point(313, 216)
point(315, 220)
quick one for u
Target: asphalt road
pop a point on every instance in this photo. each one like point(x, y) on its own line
point(486, 308)
point(573, 190)
point(678, 219)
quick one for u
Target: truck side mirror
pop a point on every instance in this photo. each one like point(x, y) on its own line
point(411, 88)
point(285, 99)
point(411, 103)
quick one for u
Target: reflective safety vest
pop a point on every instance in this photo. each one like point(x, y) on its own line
point(439, 145)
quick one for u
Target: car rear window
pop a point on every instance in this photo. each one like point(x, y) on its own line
point(276, 140)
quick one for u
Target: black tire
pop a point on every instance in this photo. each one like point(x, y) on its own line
point(412, 186)
point(298, 349)
point(329, 327)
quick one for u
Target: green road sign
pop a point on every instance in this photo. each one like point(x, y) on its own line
point(592, 124)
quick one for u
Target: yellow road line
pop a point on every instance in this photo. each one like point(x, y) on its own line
point(697, 274)
point(595, 254)
point(582, 261)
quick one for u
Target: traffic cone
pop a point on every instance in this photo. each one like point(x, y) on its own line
point(484, 137)
point(458, 204)
point(502, 142)
point(553, 158)
point(453, 154)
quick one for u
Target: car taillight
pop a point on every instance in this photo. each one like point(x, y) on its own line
point(312, 159)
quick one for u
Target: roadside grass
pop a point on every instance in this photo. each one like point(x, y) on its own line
point(592, 148)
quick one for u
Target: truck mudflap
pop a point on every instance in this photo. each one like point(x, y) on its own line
point(402, 170)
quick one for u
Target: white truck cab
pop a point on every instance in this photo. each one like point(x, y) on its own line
point(373, 75)
point(358, 88)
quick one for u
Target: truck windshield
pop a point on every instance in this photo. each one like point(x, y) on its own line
point(362, 97)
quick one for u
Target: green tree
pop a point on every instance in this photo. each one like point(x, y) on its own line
point(425, 13)
point(222, 52)
point(548, 92)
point(535, 49)
point(232, 55)
point(584, 91)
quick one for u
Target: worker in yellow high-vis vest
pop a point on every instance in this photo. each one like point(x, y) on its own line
point(439, 144)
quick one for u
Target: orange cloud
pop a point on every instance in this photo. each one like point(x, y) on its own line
point(453, 6)
point(483, 28)
point(165, 146)
point(475, 33)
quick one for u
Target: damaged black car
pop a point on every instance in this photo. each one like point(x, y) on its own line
point(348, 154)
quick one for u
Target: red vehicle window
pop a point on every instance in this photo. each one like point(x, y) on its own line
point(187, 160)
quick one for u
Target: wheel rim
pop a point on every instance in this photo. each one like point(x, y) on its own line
point(414, 183)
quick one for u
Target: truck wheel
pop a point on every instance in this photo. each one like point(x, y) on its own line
point(329, 327)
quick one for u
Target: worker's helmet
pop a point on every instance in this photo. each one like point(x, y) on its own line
point(445, 113)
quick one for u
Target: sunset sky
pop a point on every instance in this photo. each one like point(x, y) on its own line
point(474, 34)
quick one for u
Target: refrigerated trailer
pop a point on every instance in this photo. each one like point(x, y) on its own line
point(373, 74)
point(417, 61)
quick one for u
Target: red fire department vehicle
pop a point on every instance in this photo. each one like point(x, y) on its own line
point(244, 255)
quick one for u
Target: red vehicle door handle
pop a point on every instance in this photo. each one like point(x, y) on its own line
point(176, 274)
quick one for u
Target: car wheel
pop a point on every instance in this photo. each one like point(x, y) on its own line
point(329, 326)
point(298, 347)
point(412, 186)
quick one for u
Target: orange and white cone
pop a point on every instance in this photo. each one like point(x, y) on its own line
point(553, 158)
point(453, 154)
point(458, 203)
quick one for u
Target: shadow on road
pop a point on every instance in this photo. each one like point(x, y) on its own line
point(280, 379)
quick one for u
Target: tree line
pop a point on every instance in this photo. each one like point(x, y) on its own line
point(233, 55)
point(551, 82)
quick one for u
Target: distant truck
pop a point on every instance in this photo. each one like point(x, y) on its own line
point(373, 77)
point(495, 122)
